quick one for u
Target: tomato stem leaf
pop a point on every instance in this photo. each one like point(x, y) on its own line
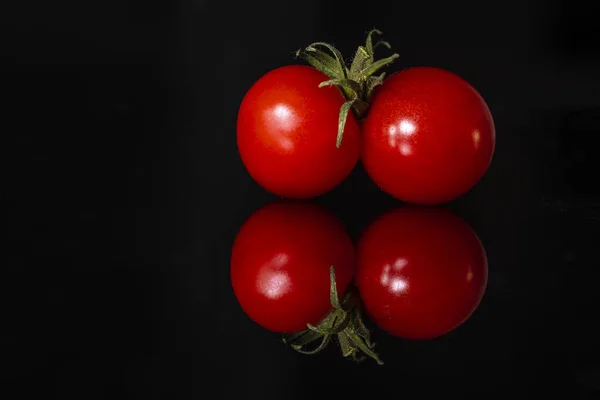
point(361, 60)
point(336, 53)
point(320, 65)
point(372, 82)
point(369, 42)
point(382, 43)
point(344, 321)
point(356, 83)
point(360, 344)
point(345, 344)
point(324, 342)
point(342, 121)
point(300, 339)
point(333, 293)
point(360, 327)
point(377, 65)
point(350, 85)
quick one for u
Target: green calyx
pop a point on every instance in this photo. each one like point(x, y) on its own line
point(344, 321)
point(357, 81)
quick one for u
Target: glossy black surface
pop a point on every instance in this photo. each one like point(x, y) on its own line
point(125, 192)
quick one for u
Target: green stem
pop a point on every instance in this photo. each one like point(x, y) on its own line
point(318, 64)
point(358, 341)
point(357, 82)
point(342, 121)
point(353, 87)
point(377, 65)
point(324, 343)
point(344, 321)
point(369, 41)
point(336, 53)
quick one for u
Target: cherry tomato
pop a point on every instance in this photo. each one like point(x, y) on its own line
point(287, 130)
point(429, 136)
point(420, 272)
point(280, 264)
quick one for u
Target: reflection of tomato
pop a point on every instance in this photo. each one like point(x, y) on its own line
point(429, 136)
point(286, 133)
point(280, 264)
point(421, 272)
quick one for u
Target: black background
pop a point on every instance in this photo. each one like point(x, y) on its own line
point(125, 192)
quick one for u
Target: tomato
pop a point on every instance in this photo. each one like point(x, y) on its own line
point(286, 133)
point(280, 264)
point(420, 272)
point(429, 136)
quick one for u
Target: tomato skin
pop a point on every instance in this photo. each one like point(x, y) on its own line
point(286, 133)
point(280, 264)
point(429, 136)
point(420, 272)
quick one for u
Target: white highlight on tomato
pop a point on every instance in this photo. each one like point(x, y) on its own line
point(476, 138)
point(392, 136)
point(282, 111)
point(470, 275)
point(405, 149)
point(398, 134)
point(396, 284)
point(407, 127)
point(287, 122)
point(274, 284)
point(400, 263)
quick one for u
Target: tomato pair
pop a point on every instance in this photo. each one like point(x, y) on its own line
point(424, 134)
point(420, 272)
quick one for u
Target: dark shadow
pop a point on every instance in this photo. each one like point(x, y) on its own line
point(578, 148)
point(577, 30)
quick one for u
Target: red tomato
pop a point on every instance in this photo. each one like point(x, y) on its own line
point(286, 133)
point(429, 136)
point(420, 272)
point(280, 265)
